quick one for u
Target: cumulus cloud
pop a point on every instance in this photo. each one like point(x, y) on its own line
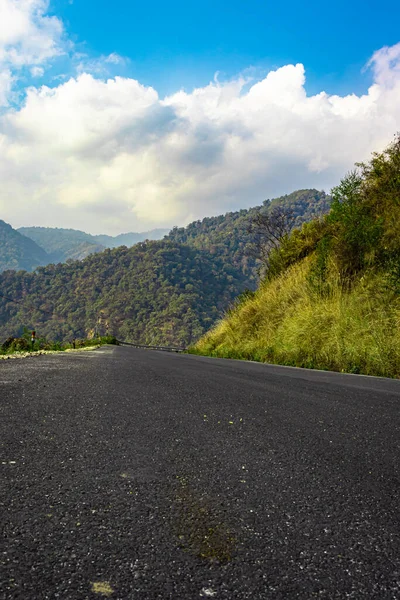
point(28, 40)
point(386, 65)
point(27, 35)
point(111, 155)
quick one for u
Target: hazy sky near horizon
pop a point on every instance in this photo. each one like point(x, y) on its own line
point(125, 116)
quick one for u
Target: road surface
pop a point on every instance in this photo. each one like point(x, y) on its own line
point(130, 474)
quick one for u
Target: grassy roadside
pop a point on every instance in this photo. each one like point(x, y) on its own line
point(18, 349)
point(286, 322)
point(330, 298)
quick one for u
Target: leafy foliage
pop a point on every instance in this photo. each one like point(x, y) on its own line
point(363, 227)
point(360, 233)
point(13, 345)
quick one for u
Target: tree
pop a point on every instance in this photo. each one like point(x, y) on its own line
point(268, 231)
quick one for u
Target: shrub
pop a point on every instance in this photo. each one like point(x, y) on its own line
point(13, 344)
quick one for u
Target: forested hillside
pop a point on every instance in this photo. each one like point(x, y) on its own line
point(155, 292)
point(62, 244)
point(228, 236)
point(331, 294)
point(18, 252)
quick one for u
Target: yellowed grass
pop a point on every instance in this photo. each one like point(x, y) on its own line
point(286, 322)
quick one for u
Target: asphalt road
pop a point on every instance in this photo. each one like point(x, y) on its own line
point(138, 474)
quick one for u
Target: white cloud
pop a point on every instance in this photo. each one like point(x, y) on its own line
point(386, 65)
point(27, 35)
point(100, 66)
point(115, 59)
point(28, 38)
point(110, 155)
point(37, 71)
point(6, 80)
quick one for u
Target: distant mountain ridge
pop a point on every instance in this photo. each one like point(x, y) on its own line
point(129, 239)
point(18, 252)
point(224, 235)
point(64, 244)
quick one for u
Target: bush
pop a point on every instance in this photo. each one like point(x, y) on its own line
point(13, 344)
point(23, 344)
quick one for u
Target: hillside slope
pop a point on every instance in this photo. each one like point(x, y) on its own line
point(19, 252)
point(331, 297)
point(228, 237)
point(63, 244)
point(154, 292)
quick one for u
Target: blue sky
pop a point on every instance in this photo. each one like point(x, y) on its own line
point(182, 44)
point(119, 116)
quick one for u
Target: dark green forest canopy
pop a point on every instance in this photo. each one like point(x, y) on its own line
point(306, 205)
point(155, 292)
point(228, 235)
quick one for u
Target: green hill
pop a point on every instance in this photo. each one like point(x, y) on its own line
point(228, 237)
point(154, 292)
point(63, 244)
point(19, 252)
point(331, 295)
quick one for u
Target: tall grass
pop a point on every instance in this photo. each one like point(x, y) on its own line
point(287, 322)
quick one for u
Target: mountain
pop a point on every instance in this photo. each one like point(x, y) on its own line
point(223, 229)
point(63, 244)
point(154, 292)
point(331, 296)
point(228, 236)
point(169, 291)
point(129, 239)
point(19, 252)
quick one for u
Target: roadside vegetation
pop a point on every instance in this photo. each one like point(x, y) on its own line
point(330, 294)
point(23, 345)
